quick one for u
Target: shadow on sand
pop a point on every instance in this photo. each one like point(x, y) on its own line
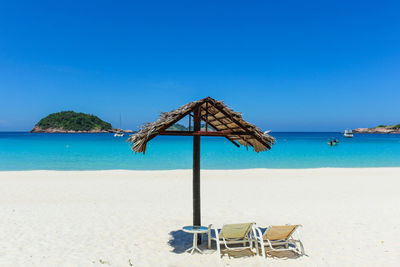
point(180, 241)
point(282, 254)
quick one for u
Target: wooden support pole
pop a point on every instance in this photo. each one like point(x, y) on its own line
point(190, 123)
point(196, 170)
point(206, 116)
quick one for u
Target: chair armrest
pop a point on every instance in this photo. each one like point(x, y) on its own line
point(258, 233)
point(216, 238)
point(209, 229)
point(212, 227)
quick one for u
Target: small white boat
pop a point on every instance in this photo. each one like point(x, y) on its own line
point(267, 132)
point(118, 134)
point(348, 134)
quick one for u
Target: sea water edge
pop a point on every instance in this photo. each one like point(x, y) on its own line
point(41, 151)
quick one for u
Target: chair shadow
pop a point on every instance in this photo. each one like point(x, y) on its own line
point(238, 254)
point(282, 254)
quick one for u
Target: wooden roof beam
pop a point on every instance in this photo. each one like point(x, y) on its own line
point(172, 123)
point(241, 125)
point(201, 133)
point(229, 138)
point(243, 139)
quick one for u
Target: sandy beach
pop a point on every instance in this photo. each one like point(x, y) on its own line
point(350, 217)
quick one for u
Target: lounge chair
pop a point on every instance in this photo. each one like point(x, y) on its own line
point(279, 238)
point(233, 234)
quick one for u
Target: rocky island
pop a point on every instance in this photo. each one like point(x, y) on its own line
point(72, 122)
point(382, 129)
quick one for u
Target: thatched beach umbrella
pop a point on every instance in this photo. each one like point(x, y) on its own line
point(224, 121)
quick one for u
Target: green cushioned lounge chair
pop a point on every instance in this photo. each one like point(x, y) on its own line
point(241, 236)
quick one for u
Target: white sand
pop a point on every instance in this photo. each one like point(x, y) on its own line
point(351, 217)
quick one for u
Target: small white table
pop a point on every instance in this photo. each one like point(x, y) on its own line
point(195, 230)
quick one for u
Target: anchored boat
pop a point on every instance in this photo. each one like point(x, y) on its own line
point(119, 133)
point(348, 134)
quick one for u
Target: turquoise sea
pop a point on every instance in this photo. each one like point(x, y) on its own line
point(28, 151)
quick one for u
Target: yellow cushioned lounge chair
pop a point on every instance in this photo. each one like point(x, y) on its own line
point(243, 233)
point(280, 238)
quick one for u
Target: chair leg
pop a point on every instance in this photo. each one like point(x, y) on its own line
point(256, 246)
point(218, 248)
point(263, 250)
point(302, 248)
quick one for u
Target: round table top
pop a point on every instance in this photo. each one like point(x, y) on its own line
point(195, 229)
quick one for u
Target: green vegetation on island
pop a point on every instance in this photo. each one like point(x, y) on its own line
point(70, 121)
point(180, 127)
point(389, 126)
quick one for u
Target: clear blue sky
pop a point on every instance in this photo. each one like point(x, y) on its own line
point(286, 65)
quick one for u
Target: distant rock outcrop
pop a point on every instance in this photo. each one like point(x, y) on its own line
point(72, 122)
point(381, 129)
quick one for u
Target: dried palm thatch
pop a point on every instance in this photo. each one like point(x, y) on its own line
point(217, 115)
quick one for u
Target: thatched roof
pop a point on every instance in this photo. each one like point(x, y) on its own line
point(217, 115)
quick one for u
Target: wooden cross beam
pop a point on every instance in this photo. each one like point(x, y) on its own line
point(202, 133)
